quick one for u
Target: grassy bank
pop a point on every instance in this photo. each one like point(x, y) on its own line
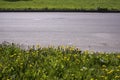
point(61, 63)
point(61, 5)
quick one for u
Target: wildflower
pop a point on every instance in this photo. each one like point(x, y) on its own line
point(117, 70)
point(62, 47)
point(75, 55)
point(104, 66)
point(106, 70)
point(72, 74)
point(21, 63)
point(86, 52)
point(105, 77)
point(62, 66)
point(119, 66)
point(110, 72)
point(102, 76)
point(15, 54)
point(16, 60)
point(0, 65)
point(30, 65)
point(118, 56)
point(92, 52)
point(68, 59)
point(65, 58)
point(18, 56)
point(20, 53)
point(38, 46)
point(85, 68)
point(92, 79)
point(81, 69)
point(117, 77)
point(33, 53)
point(72, 48)
point(37, 51)
point(107, 55)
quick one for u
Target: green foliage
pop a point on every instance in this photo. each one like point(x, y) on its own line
point(16, 0)
point(60, 5)
point(61, 63)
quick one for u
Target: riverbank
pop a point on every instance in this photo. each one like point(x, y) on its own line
point(60, 10)
point(59, 6)
point(50, 63)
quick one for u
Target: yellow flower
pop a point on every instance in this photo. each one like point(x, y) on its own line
point(92, 79)
point(20, 53)
point(65, 58)
point(72, 48)
point(111, 71)
point(38, 46)
point(117, 70)
point(0, 65)
point(75, 55)
point(62, 47)
point(117, 76)
point(118, 56)
point(18, 56)
point(16, 60)
point(119, 66)
point(21, 63)
point(30, 65)
point(104, 66)
point(86, 52)
point(15, 54)
point(81, 69)
point(107, 55)
point(106, 70)
point(68, 59)
point(84, 68)
point(102, 76)
point(33, 53)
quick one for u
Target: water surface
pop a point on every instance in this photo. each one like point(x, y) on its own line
point(93, 31)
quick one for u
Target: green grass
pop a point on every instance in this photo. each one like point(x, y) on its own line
point(60, 63)
point(60, 5)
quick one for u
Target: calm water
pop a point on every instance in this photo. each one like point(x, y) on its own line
point(93, 31)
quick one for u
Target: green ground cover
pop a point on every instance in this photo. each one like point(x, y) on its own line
point(60, 5)
point(60, 63)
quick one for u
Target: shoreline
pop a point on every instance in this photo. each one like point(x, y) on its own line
point(29, 46)
point(60, 10)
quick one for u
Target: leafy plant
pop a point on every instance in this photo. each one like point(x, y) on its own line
point(56, 63)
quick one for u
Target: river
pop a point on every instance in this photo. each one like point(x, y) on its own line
point(92, 31)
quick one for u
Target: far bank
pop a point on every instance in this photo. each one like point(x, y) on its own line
point(59, 6)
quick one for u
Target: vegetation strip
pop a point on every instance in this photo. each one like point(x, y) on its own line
point(61, 63)
point(60, 6)
point(57, 10)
